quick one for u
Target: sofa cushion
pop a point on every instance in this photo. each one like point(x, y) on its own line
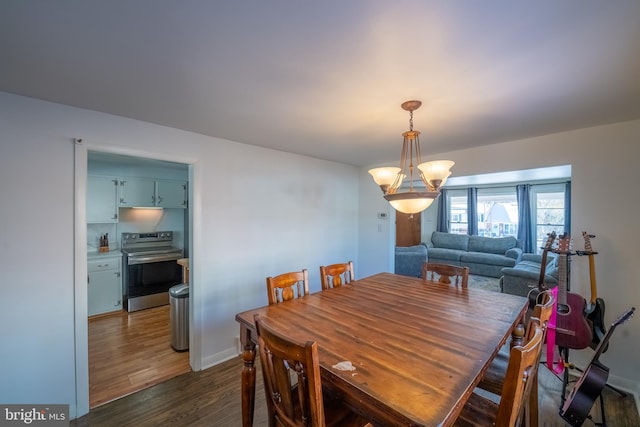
point(552, 259)
point(493, 245)
point(487, 258)
point(440, 239)
point(444, 254)
point(529, 269)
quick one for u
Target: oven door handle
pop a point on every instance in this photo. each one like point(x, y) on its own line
point(151, 258)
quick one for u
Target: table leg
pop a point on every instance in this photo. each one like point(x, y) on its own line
point(248, 376)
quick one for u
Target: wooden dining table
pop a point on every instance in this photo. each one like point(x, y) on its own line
point(418, 348)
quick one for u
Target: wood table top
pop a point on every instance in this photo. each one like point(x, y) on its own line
point(419, 348)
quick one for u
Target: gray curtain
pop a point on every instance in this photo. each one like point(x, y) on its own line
point(472, 211)
point(525, 227)
point(567, 207)
point(443, 209)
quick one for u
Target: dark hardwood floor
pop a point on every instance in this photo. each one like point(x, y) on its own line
point(212, 398)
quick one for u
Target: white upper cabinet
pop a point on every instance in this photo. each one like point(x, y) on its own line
point(137, 192)
point(102, 193)
point(147, 192)
point(171, 194)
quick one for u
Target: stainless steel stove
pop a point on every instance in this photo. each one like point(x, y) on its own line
point(150, 269)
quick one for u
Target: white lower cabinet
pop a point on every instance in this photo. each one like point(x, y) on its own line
point(104, 284)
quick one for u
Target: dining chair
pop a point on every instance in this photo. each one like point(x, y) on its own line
point(445, 273)
point(287, 286)
point(493, 380)
point(336, 275)
point(516, 390)
point(292, 382)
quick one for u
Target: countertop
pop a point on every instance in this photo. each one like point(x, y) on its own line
point(95, 254)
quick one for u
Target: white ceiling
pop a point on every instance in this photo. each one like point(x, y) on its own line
point(326, 78)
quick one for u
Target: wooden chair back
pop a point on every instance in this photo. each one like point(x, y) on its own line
point(336, 275)
point(287, 286)
point(445, 273)
point(291, 372)
point(521, 374)
point(543, 309)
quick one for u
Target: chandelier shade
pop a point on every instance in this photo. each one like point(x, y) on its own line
point(385, 177)
point(433, 175)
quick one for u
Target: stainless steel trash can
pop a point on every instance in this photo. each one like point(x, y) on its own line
point(179, 316)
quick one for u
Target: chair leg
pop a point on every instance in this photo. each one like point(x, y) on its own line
point(531, 410)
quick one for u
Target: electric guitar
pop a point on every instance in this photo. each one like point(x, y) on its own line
point(593, 380)
point(595, 311)
point(572, 329)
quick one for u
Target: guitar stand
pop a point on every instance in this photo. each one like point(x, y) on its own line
point(564, 353)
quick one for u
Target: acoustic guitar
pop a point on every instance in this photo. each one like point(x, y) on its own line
point(593, 380)
point(572, 329)
point(595, 311)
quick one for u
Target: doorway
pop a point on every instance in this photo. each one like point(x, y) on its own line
point(82, 150)
point(408, 229)
point(129, 349)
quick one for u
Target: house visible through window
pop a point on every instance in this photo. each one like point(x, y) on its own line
point(497, 212)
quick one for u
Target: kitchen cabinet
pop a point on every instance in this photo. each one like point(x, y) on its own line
point(102, 193)
point(137, 192)
point(104, 286)
point(147, 192)
point(171, 194)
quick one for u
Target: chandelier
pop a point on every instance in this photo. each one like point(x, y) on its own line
point(433, 175)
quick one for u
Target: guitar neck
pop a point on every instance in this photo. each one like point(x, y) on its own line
point(588, 250)
point(603, 344)
point(543, 269)
point(592, 277)
point(562, 279)
point(543, 263)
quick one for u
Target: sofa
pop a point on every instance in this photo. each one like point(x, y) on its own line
point(485, 256)
point(409, 260)
point(525, 275)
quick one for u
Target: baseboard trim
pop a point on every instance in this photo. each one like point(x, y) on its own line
point(217, 358)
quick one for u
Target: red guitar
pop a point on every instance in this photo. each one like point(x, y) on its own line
point(572, 329)
point(595, 311)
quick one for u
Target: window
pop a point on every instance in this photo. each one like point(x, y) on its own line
point(548, 211)
point(497, 212)
point(458, 211)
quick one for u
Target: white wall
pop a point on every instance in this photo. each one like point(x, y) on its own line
point(605, 176)
point(256, 212)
